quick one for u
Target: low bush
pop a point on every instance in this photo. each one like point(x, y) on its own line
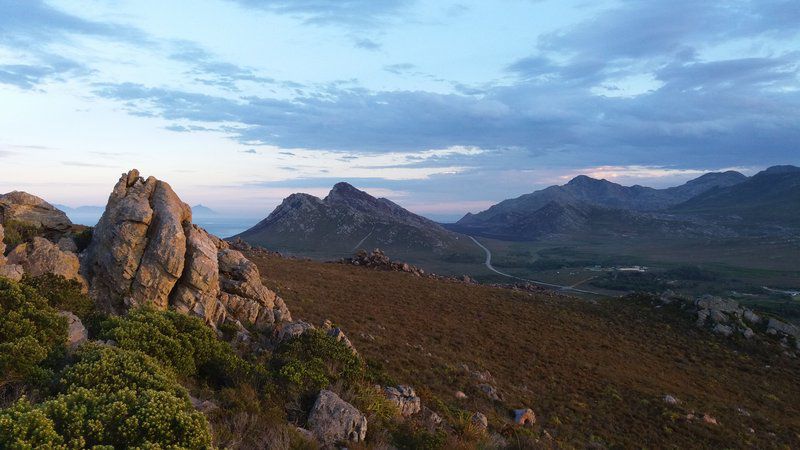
point(62, 294)
point(83, 238)
point(17, 232)
point(32, 336)
point(184, 344)
point(110, 397)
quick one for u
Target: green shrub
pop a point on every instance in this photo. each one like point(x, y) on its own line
point(23, 426)
point(407, 436)
point(62, 294)
point(32, 335)
point(184, 344)
point(17, 232)
point(314, 360)
point(111, 397)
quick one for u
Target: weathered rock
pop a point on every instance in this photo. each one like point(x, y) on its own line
point(718, 316)
point(204, 406)
point(76, 332)
point(24, 207)
point(339, 335)
point(724, 330)
point(405, 399)
point(332, 420)
point(145, 251)
point(68, 244)
point(524, 416)
point(430, 418)
point(13, 272)
point(490, 391)
point(41, 256)
point(725, 305)
point(702, 316)
point(671, 400)
point(460, 395)
point(291, 330)
point(748, 333)
point(751, 316)
point(198, 290)
point(775, 326)
point(480, 421)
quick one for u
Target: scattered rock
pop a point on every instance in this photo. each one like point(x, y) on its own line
point(405, 399)
point(748, 333)
point(2, 245)
point(670, 400)
point(332, 420)
point(709, 419)
point(460, 395)
point(339, 335)
point(41, 256)
point(204, 406)
point(751, 317)
point(292, 330)
point(724, 330)
point(490, 391)
point(702, 316)
point(67, 244)
point(524, 416)
point(775, 326)
point(724, 305)
point(480, 421)
point(430, 418)
point(24, 207)
point(76, 332)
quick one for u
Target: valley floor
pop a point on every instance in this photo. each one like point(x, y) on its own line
point(592, 371)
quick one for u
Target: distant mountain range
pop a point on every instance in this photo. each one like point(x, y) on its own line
point(349, 219)
point(203, 211)
point(715, 204)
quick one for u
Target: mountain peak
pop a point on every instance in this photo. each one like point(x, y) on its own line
point(583, 180)
point(780, 169)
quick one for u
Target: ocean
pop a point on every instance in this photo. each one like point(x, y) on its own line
point(222, 226)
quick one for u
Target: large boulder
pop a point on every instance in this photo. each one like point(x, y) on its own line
point(146, 251)
point(41, 256)
point(2, 245)
point(24, 207)
point(333, 420)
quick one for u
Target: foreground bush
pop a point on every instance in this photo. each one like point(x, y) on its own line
point(62, 294)
point(313, 361)
point(110, 397)
point(32, 335)
point(184, 344)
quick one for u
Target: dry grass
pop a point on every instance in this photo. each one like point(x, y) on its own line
point(591, 372)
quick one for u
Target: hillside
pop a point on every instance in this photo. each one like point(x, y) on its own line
point(590, 206)
point(348, 219)
point(593, 372)
point(770, 198)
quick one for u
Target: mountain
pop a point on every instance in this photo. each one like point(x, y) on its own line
point(81, 209)
point(203, 211)
point(770, 198)
point(349, 219)
point(585, 202)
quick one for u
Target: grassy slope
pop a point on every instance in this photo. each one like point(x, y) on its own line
point(590, 371)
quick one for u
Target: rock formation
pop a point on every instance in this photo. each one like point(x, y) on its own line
point(24, 207)
point(41, 256)
point(333, 420)
point(11, 271)
point(145, 251)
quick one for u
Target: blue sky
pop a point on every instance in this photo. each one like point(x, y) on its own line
point(444, 107)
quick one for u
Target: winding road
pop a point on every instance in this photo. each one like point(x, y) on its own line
point(488, 264)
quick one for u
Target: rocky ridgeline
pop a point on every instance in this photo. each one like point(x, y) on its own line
point(727, 317)
point(146, 251)
point(378, 260)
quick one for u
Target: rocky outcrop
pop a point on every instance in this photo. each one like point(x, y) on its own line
point(2, 245)
point(40, 256)
point(380, 261)
point(405, 399)
point(292, 330)
point(24, 207)
point(13, 272)
point(146, 251)
point(333, 420)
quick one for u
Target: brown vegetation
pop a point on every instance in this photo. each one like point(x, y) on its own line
point(592, 372)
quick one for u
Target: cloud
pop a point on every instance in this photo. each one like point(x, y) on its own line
point(399, 69)
point(350, 13)
point(209, 70)
point(367, 44)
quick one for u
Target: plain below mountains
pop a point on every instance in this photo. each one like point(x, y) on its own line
point(722, 204)
point(348, 219)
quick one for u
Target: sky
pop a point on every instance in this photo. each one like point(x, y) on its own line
point(444, 107)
